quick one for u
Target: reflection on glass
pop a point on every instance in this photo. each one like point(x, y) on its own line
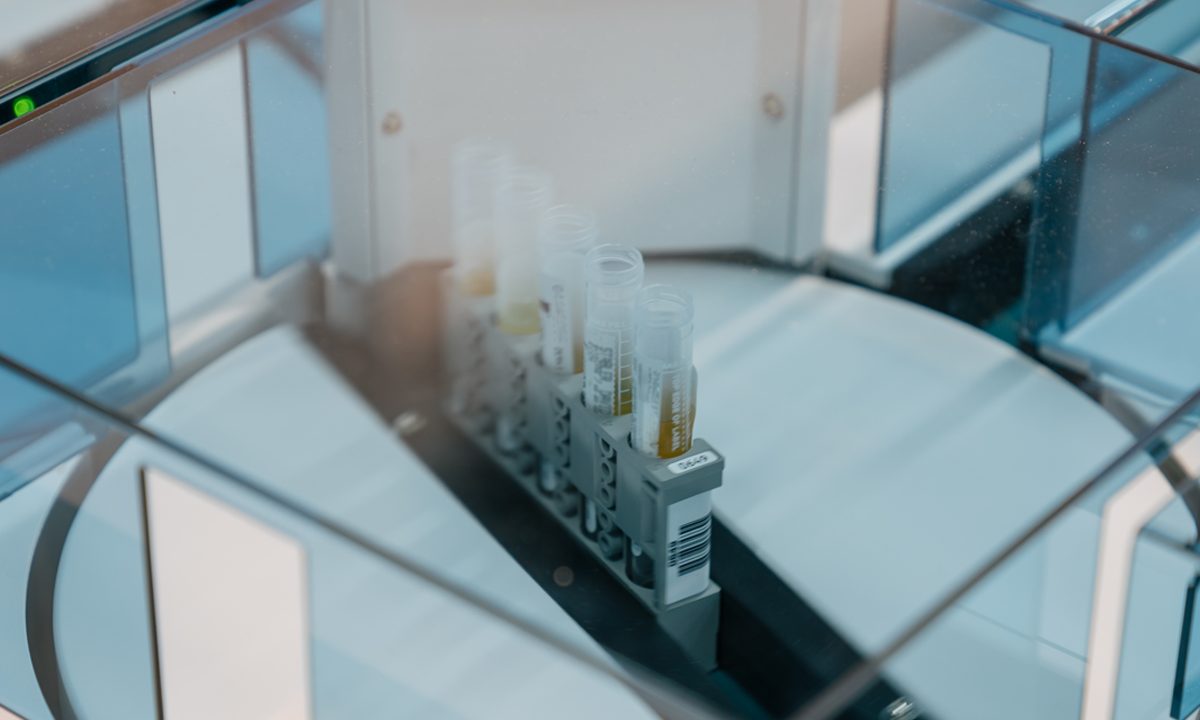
point(1111, 274)
point(66, 288)
point(37, 37)
point(963, 125)
point(355, 630)
point(1022, 637)
point(289, 140)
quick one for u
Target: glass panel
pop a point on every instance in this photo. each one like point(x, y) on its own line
point(867, 455)
point(1135, 202)
point(1023, 639)
point(1173, 28)
point(69, 303)
point(1077, 11)
point(66, 263)
point(327, 625)
point(1122, 242)
point(1170, 27)
point(965, 121)
point(37, 38)
point(289, 140)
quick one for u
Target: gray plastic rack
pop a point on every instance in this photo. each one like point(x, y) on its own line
point(648, 520)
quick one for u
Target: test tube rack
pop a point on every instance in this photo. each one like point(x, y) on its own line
point(567, 454)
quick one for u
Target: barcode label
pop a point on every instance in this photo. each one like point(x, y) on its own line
point(690, 552)
point(600, 373)
point(689, 545)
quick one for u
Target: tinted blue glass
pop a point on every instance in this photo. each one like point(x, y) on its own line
point(968, 117)
point(1116, 249)
point(1172, 29)
point(1139, 196)
point(1075, 10)
point(66, 285)
point(289, 140)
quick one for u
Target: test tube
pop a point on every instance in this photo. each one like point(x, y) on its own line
point(664, 381)
point(521, 198)
point(568, 233)
point(614, 276)
point(478, 165)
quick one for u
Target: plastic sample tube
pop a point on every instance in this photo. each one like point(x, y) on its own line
point(568, 233)
point(614, 276)
point(664, 381)
point(477, 167)
point(521, 198)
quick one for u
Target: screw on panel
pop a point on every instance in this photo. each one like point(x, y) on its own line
point(773, 106)
point(392, 123)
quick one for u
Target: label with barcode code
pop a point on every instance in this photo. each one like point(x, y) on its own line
point(689, 542)
point(600, 372)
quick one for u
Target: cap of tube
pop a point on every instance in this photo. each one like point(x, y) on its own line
point(477, 166)
point(521, 198)
point(614, 272)
point(568, 229)
point(663, 324)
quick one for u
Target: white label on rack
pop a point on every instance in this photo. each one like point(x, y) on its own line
point(695, 461)
point(558, 343)
point(689, 544)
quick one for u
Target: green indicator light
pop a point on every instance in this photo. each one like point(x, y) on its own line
point(22, 106)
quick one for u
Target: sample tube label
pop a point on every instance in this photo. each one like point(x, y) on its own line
point(662, 425)
point(558, 342)
point(689, 545)
point(608, 371)
point(599, 372)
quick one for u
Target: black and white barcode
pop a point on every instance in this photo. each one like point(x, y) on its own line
point(690, 552)
point(600, 369)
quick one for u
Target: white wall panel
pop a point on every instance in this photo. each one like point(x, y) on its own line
point(649, 112)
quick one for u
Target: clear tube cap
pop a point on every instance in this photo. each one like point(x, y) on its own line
point(614, 266)
point(524, 188)
point(663, 307)
point(568, 229)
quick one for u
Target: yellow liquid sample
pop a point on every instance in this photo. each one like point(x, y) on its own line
point(624, 399)
point(520, 318)
point(674, 435)
point(479, 282)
